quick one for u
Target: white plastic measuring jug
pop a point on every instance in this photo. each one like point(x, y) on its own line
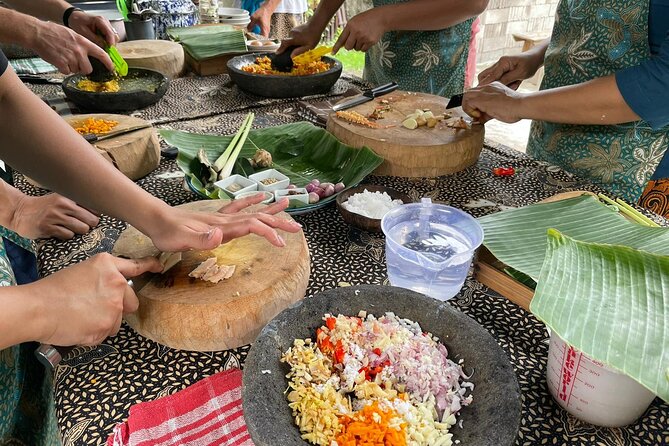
point(590, 390)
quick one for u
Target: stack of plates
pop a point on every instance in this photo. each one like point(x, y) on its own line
point(233, 16)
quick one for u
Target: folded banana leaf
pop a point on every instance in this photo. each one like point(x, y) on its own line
point(517, 237)
point(205, 42)
point(301, 151)
point(612, 303)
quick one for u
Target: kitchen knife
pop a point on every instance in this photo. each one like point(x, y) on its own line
point(36, 79)
point(455, 101)
point(51, 355)
point(366, 96)
point(92, 137)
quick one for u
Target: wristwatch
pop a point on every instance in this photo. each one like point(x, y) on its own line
point(68, 12)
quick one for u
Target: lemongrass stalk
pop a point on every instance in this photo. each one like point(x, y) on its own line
point(230, 163)
point(631, 211)
point(223, 159)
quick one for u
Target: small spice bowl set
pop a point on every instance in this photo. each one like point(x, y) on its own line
point(271, 182)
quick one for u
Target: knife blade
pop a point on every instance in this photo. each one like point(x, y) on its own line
point(36, 79)
point(366, 96)
point(455, 101)
point(92, 137)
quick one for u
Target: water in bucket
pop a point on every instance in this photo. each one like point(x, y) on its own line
point(429, 247)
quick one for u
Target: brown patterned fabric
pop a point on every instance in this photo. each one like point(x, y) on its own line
point(95, 387)
point(656, 197)
point(282, 23)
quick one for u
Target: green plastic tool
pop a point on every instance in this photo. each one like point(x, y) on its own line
point(119, 63)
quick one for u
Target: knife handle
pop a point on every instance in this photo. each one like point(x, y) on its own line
point(51, 355)
point(381, 90)
point(91, 137)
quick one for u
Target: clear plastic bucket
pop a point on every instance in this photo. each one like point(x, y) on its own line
point(591, 391)
point(429, 247)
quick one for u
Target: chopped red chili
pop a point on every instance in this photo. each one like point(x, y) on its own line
point(503, 171)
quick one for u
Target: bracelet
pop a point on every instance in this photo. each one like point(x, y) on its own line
point(66, 15)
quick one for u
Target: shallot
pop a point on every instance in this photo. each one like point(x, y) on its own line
point(313, 197)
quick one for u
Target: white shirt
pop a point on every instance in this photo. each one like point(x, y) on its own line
point(285, 6)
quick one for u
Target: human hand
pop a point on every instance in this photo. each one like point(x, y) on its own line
point(92, 27)
point(51, 216)
point(493, 101)
point(511, 70)
point(361, 32)
point(262, 17)
point(85, 303)
point(180, 230)
point(66, 49)
point(304, 37)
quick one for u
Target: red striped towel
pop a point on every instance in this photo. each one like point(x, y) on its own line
point(207, 413)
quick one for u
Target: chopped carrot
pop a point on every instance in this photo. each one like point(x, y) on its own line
point(370, 426)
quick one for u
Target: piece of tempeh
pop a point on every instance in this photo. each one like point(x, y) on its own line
point(203, 267)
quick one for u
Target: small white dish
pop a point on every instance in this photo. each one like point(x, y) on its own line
point(298, 193)
point(235, 21)
point(281, 183)
point(246, 185)
point(268, 46)
point(269, 196)
point(232, 13)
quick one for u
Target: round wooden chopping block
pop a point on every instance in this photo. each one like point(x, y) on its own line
point(191, 314)
point(163, 56)
point(135, 154)
point(422, 152)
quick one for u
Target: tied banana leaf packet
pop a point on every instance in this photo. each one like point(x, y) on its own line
point(611, 302)
point(517, 237)
point(301, 151)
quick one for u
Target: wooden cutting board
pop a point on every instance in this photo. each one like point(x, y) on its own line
point(422, 152)
point(191, 314)
point(163, 56)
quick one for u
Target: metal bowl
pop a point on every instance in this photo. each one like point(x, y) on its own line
point(492, 419)
point(139, 89)
point(282, 86)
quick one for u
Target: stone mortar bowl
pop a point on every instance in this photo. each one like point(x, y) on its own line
point(282, 86)
point(139, 89)
point(492, 419)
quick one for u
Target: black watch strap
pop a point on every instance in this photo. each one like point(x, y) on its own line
point(66, 15)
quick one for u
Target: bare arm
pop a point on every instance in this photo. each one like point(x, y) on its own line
point(51, 10)
point(596, 102)
point(430, 15)
point(263, 16)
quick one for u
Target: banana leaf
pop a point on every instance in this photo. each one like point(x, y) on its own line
point(612, 303)
point(301, 151)
point(206, 42)
point(517, 237)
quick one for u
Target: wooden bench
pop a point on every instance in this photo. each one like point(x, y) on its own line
point(530, 39)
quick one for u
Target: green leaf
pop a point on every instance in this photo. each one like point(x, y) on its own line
point(517, 237)
point(209, 41)
point(611, 302)
point(301, 151)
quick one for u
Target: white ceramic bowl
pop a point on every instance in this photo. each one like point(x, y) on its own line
point(282, 182)
point(247, 185)
point(298, 193)
point(269, 196)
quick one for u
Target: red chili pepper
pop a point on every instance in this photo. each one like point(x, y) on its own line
point(326, 345)
point(331, 322)
point(386, 363)
point(359, 321)
point(377, 351)
point(503, 171)
point(339, 353)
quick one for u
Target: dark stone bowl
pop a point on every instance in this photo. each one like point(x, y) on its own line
point(154, 85)
point(492, 419)
point(282, 86)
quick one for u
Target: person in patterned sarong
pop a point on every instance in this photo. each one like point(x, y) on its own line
point(603, 109)
point(423, 45)
point(84, 303)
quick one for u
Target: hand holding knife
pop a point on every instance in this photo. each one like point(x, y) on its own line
point(367, 96)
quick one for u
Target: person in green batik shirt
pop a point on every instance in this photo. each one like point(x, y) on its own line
point(603, 108)
point(422, 45)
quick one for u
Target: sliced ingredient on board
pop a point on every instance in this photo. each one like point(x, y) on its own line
point(169, 260)
point(420, 118)
point(356, 118)
point(210, 271)
point(95, 126)
point(371, 204)
point(458, 123)
point(263, 65)
point(369, 381)
point(503, 171)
